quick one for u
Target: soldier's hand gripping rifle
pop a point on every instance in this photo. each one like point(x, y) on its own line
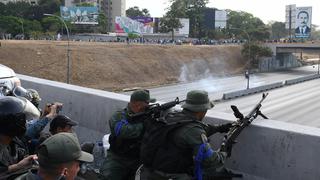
point(240, 124)
point(155, 110)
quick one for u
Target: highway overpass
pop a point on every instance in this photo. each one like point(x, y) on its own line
point(294, 48)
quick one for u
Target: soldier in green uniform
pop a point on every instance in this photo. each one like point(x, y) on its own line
point(59, 157)
point(122, 159)
point(186, 153)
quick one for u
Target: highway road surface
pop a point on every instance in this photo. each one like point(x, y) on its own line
point(299, 103)
point(216, 86)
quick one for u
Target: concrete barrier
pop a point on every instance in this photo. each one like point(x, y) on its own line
point(273, 150)
point(91, 108)
point(266, 150)
point(234, 94)
point(301, 79)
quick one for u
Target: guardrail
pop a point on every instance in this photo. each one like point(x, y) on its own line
point(301, 79)
point(234, 94)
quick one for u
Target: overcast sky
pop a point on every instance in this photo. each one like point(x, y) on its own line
point(266, 10)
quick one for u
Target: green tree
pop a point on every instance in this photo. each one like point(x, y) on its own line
point(103, 23)
point(195, 13)
point(11, 25)
point(256, 51)
point(278, 30)
point(51, 24)
point(170, 21)
point(136, 12)
point(169, 24)
point(315, 34)
point(49, 6)
point(254, 26)
point(18, 9)
point(192, 9)
point(133, 36)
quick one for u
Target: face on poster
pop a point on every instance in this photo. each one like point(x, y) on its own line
point(303, 21)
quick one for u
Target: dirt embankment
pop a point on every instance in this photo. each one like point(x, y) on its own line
point(117, 66)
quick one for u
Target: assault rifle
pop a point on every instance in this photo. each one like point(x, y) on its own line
point(240, 124)
point(155, 110)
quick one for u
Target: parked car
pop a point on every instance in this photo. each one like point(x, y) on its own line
point(8, 78)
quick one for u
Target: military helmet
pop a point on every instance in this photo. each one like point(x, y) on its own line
point(12, 116)
point(35, 97)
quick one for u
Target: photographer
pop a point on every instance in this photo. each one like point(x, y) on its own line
point(36, 126)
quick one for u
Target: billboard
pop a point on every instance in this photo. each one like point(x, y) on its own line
point(220, 19)
point(184, 30)
point(303, 22)
point(80, 15)
point(139, 25)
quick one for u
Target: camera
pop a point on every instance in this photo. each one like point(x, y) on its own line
point(59, 107)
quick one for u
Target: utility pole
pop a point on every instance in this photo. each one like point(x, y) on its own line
point(68, 47)
point(290, 22)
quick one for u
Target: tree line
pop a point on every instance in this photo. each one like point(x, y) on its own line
point(238, 24)
point(22, 18)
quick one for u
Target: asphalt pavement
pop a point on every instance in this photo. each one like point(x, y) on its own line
point(297, 103)
point(216, 86)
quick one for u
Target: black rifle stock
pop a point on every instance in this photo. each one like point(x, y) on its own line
point(154, 110)
point(241, 123)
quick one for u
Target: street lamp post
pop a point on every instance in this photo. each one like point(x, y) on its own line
point(249, 52)
point(318, 63)
point(21, 21)
point(68, 47)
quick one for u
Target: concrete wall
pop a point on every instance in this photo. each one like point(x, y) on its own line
point(91, 108)
point(267, 149)
point(281, 61)
point(274, 150)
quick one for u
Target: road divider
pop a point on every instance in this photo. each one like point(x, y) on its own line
point(301, 79)
point(234, 94)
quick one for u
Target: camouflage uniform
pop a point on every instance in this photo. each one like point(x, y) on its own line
point(122, 159)
point(187, 153)
point(5, 158)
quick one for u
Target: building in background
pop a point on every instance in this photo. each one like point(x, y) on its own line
point(214, 18)
point(14, 1)
point(220, 19)
point(111, 8)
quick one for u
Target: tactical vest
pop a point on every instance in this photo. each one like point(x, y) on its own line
point(125, 147)
point(159, 152)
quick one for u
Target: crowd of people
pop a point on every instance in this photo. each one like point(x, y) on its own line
point(173, 146)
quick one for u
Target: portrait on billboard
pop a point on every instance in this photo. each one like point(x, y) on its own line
point(303, 22)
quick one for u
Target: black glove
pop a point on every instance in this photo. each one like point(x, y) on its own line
point(224, 128)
